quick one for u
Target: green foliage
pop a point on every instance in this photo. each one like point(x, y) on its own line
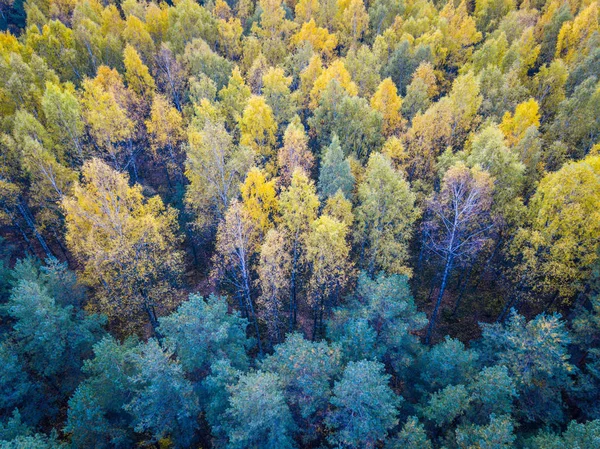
point(536, 356)
point(335, 173)
point(364, 406)
point(164, 403)
point(306, 370)
point(202, 331)
point(260, 417)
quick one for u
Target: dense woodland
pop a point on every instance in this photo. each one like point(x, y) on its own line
point(300, 224)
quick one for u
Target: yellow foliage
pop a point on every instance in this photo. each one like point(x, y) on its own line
point(337, 70)
point(320, 39)
point(514, 127)
point(387, 101)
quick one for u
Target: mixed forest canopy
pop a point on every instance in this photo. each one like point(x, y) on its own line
point(300, 224)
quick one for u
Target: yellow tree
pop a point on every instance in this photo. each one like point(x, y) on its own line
point(107, 118)
point(233, 98)
point(306, 10)
point(298, 204)
point(260, 200)
point(320, 39)
point(165, 129)
point(237, 242)
point(137, 75)
point(137, 35)
point(353, 21)
point(574, 35)
point(327, 254)
point(308, 76)
point(230, 37)
point(294, 153)
point(214, 167)
point(387, 101)
point(127, 244)
point(276, 92)
point(258, 128)
point(338, 207)
point(559, 246)
point(336, 70)
point(514, 126)
point(274, 270)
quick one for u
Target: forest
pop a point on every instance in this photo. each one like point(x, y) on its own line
point(309, 224)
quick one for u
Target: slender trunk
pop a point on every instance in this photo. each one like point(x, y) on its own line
point(439, 299)
point(464, 284)
point(252, 311)
point(23, 209)
point(20, 228)
point(292, 317)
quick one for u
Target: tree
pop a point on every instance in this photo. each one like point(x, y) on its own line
point(235, 246)
point(335, 174)
point(96, 414)
point(258, 128)
point(319, 38)
point(137, 75)
point(336, 71)
point(412, 436)
point(260, 200)
point(57, 345)
point(233, 98)
point(214, 167)
point(201, 331)
point(165, 129)
point(276, 92)
point(458, 222)
point(306, 370)
point(526, 115)
point(558, 246)
point(63, 117)
point(327, 254)
point(351, 117)
point(447, 363)
point(295, 152)
point(364, 66)
point(164, 403)
point(385, 215)
point(106, 117)
point(498, 434)
point(274, 270)
point(260, 417)
point(386, 309)
point(127, 244)
point(364, 406)
point(582, 435)
point(298, 204)
point(353, 21)
point(389, 104)
point(536, 356)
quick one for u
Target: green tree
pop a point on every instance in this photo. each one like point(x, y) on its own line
point(335, 173)
point(164, 403)
point(364, 406)
point(201, 331)
point(385, 216)
point(260, 417)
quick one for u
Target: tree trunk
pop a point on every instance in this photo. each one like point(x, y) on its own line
point(463, 287)
point(292, 317)
point(23, 209)
point(439, 300)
